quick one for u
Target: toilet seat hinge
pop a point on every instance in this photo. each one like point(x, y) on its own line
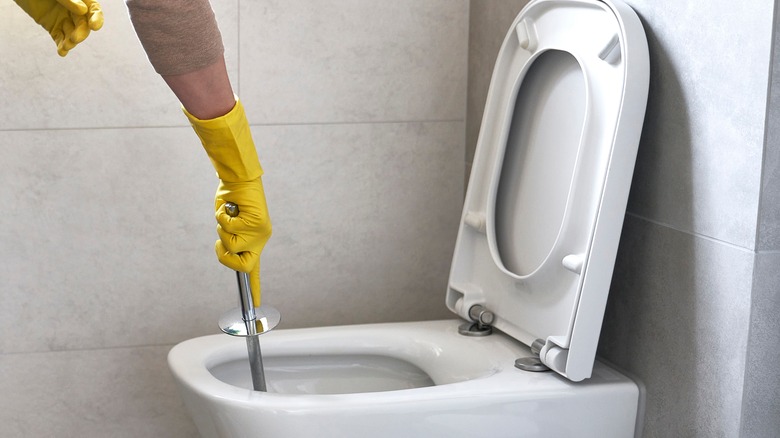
point(533, 363)
point(481, 321)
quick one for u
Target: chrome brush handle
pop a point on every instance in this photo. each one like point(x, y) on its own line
point(250, 322)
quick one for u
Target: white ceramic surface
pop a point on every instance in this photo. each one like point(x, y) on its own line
point(549, 185)
point(476, 387)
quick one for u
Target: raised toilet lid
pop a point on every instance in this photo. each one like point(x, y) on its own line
point(550, 180)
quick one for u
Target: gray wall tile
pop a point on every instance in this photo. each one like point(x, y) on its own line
point(121, 393)
point(353, 61)
point(768, 238)
point(111, 235)
point(363, 214)
point(489, 21)
point(108, 239)
point(678, 318)
point(104, 82)
point(761, 405)
point(700, 156)
point(114, 229)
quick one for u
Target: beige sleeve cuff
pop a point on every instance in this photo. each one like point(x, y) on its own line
point(179, 36)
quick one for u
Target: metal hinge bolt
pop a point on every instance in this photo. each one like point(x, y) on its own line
point(481, 318)
point(533, 363)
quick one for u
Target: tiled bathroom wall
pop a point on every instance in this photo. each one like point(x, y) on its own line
point(106, 238)
point(694, 299)
point(687, 278)
point(489, 21)
point(760, 400)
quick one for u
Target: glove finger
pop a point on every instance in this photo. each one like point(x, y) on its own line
point(66, 45)
point(243, 261)
point(237, 243)
point(80, 31)
point(95, 14)
point(75, 6)
point(58, 38)
point(254, 284)
point(67, 31)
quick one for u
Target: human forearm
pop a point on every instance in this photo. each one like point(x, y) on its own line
point(179, 36)
point(183, 43)
point(205, 93)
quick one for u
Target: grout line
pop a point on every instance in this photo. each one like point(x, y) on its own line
point(344, 123)
point(91, 349)
point(93, 128)
point(378, 122)
point(691, 233)
point(771, 73)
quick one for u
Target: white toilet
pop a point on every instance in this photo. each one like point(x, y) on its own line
point(533, 263)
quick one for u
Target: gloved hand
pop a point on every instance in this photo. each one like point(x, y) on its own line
point(67, 21)
point(228, 143)
point(242, 238)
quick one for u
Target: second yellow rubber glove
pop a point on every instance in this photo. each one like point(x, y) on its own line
point(67, 21)
point(228, 143)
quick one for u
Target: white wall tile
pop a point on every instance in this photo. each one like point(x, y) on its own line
point(110, 238)
point(104, 82)
point(353, 60)
point(107, 236)
point(109, 241)
point(365, 218)
point(118, 393)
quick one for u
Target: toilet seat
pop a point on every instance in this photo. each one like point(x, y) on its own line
point(551, 175)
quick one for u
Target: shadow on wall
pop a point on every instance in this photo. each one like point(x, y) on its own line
point(650, 318)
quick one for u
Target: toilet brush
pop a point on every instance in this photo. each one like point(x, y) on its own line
point(249, 321)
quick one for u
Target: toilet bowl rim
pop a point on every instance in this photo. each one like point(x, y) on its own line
point(190, 360)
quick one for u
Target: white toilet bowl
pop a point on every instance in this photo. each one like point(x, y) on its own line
point(420, 379)
point(533, 263)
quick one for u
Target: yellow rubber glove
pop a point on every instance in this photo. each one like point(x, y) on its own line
point(67, 21)
point(228, 143)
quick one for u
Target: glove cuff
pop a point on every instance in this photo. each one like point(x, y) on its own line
point(228, 143)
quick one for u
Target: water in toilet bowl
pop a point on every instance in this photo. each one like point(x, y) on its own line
point(333, 374)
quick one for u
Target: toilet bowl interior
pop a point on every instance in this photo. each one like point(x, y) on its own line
point(389, 380)
point(351, 359)
point(331, 374)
